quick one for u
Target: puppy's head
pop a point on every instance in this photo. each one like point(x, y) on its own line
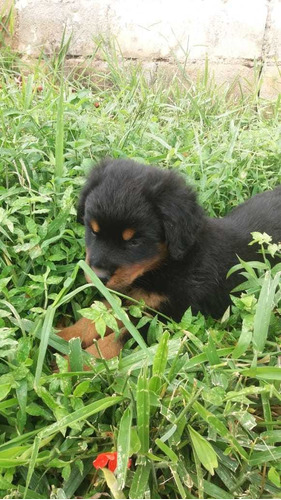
point(135, 217)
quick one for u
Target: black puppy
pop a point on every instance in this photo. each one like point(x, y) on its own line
point(147, 236)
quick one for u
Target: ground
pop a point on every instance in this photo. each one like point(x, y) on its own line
point(198, 409)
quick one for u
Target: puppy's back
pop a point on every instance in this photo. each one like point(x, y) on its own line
point(261, 213)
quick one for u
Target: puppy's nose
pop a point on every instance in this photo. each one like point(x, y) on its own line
point(102, 274)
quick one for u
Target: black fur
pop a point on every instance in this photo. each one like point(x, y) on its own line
point(122, 194)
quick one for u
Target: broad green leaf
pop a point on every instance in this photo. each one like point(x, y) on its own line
point(4, 390)
point(219, 427)
point(112, 483)
point(263, 372)
point(170, 454)
point(211, 352)
point(13, 452)
point(135, 311)
point(100, 327)
point(261, 457)
point(135, 443)
point(204, 450)
point(75, 355)
point(274, 477)
point(245, 337)
point(48, 399)
point(81, 388)
point(271, 437)
point(66, 471)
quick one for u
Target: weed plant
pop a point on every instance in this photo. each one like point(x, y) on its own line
point(197, 407)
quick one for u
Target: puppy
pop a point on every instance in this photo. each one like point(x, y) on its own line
point(147, 236)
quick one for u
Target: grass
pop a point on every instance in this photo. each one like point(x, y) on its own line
point(198, 408)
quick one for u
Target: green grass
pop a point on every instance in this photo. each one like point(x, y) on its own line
point(198, 409)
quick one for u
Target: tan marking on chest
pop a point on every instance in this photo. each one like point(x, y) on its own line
point(152, 299)
point(124, 276)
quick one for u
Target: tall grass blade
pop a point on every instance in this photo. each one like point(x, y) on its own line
point(123, 447)
point(59, 158)
point(81, 414)
point(32, 463)
point(178, 482)
point(264, 309)
point(139, 485)
point(159, 364)
point(263, 373)
point(46, 330)
point(143, 410)
point(28, 91)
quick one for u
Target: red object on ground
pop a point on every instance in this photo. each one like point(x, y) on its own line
point(96, 104)
point(108, 459)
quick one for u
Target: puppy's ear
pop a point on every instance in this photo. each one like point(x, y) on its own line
point(93, 180)
point(179, 211)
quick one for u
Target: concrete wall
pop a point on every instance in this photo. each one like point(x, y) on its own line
point(242, 38)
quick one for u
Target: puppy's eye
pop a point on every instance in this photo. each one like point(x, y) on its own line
point(134, 242)
point(93, 232)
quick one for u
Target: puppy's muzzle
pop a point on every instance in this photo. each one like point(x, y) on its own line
point(102, 274)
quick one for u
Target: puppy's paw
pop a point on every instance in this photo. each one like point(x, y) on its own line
point(84, 329)
point(108, 347)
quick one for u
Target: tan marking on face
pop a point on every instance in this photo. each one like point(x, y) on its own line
point(95, 226)
point(128, 234)
point(124, 276)
point(153, 300)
